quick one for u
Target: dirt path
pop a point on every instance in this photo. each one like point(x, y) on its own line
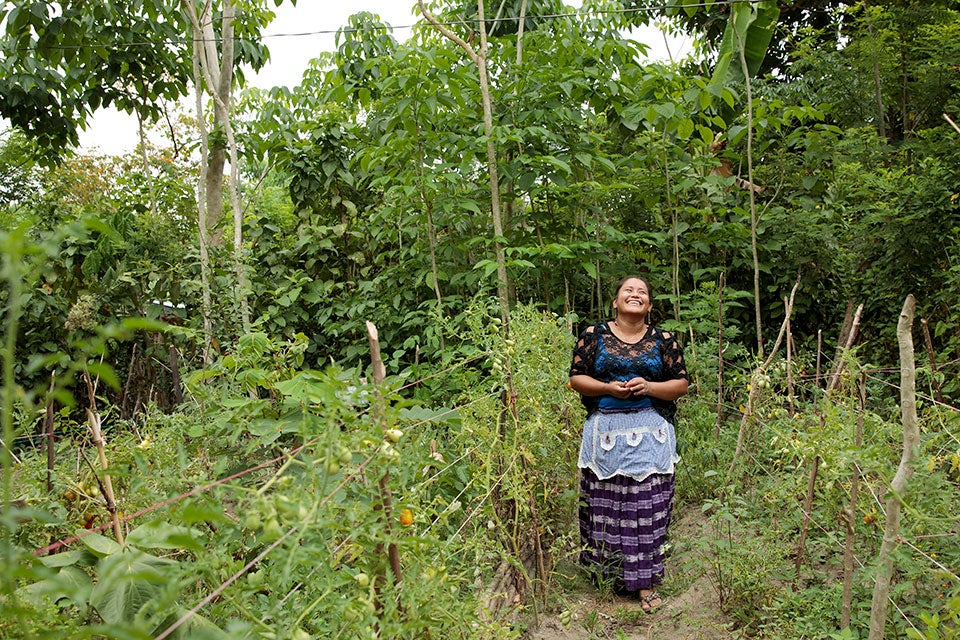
point(690, 610)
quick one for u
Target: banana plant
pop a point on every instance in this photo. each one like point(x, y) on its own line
point(749, 30)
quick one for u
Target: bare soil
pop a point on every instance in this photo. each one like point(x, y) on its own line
point(690, 610)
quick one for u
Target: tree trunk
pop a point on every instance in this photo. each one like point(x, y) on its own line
point(479, 58)
point(752, 192)
point(217, 71)
point(911, 446)
point(202, 217)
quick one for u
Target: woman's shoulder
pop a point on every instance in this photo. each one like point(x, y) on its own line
point(596, 329)
point(662, 334)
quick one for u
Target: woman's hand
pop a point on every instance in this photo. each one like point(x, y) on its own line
point(619, 389)
point(636, 387)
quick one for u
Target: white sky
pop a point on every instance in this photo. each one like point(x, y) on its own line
point(297, 35)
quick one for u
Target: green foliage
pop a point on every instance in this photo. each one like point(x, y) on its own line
point(368, 201)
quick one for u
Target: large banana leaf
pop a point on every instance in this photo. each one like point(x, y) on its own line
point(750, 27)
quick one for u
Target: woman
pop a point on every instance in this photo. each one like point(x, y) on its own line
point(628, 374)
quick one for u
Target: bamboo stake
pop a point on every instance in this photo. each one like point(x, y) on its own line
point(911, 447)
point(850, 514)
point(748, 412)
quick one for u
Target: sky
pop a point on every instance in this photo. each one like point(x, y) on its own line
point(297, 35)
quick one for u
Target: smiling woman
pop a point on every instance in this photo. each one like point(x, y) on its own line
point(629, 375)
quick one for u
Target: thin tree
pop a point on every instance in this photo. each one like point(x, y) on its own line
point(750, 190)
point(217, 68)
point(479, 58)
point(911, 447)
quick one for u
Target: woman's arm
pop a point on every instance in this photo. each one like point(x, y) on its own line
point(589, 386)
point(668, 390)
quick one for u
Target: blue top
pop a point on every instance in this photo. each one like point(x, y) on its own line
point(656, 356)
point(632, 437)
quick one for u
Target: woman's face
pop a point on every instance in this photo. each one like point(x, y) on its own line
point(633, 297)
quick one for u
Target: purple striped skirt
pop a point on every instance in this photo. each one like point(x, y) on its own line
point(623, 525)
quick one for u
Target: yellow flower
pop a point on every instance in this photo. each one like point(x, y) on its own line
point(145, 444)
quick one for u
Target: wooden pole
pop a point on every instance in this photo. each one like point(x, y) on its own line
point(819, 352)
point(911, 447)
point(386, 496)
point(851, 337)
point(748, 413)
point(791, 409)
point(807, 508)
point(175, 382)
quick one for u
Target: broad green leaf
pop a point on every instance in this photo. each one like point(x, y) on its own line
point(70, 583)
point(196, 627)
point(159, 534)
point(749, 28)
point(127, 581)
point(76, 556)
point(99, 545)
point(103, 371)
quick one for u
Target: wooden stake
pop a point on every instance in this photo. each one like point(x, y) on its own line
point(932, 358)
point(807, 508)
point(386, 496)
point(911, 447)
point(48, 431)
point(851, 337)
point(93, 418)
point(748, 413)
point(819, 352)
point(790, 410)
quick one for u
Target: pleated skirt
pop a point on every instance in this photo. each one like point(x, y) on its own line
point(623, 528)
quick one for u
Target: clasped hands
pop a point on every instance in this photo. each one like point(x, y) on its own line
point(629, 389)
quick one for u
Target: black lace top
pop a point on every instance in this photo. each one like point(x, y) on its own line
point(657, 357)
